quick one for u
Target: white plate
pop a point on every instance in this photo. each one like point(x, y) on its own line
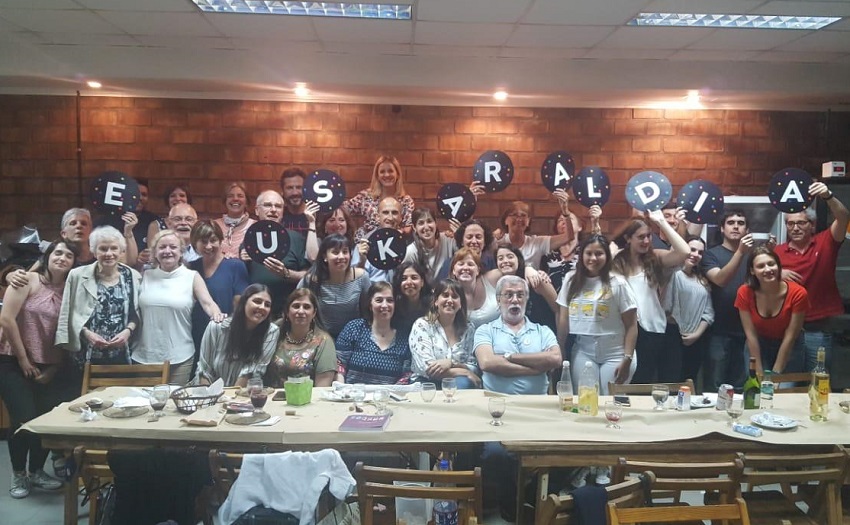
point(773, 421)
point(704, 401)
point(332, 395)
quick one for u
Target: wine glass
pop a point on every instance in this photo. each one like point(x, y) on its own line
point(497, 410)
point(613, 413)
point(158, 398)
point(429, 390)
point(258, 395)
point(660, 393)
point(449, 389)
point(358, 394)
point(565, 396)
point(381, 397)
point(735, 408)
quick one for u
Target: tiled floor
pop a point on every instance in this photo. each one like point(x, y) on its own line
point(42, 507)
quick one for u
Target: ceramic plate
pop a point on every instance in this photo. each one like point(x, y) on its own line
point(704, 401)
point(773, 421)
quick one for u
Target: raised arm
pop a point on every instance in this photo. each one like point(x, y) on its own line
point(202, 295)
point(838, 228)
point(679, 249)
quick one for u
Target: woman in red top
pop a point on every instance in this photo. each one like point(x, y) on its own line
point(772, 312)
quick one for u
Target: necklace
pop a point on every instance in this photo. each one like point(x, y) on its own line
point(300, 341)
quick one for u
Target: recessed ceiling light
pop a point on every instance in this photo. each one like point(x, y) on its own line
point(732, 21)
point(500, 95)
point(94, 84)
point(693, 97)
point(301, 90)
point(332, 9)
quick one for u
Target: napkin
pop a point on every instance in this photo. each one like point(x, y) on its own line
point(404, 389)
point(131, 401)
point(267, 423)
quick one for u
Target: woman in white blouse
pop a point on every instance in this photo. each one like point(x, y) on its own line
point(241, 346)
point(441, 342)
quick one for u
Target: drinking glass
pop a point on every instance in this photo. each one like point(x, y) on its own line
point(449, 389)
point(565, 396)
point(660, 393)
point(159, 397)
point(429, 390)
point(358, 394)
point(735, 408)
point(613, 413)
point(381, 397)
point(257, 394)
point(497, 410)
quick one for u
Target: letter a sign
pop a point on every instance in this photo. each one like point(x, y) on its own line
point(788, 190)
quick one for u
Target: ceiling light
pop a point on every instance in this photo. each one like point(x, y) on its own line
point(332, 9)
point(500, 95)
point(94, 84)
point(693, 97)
point(301, 90)
point(732, 21)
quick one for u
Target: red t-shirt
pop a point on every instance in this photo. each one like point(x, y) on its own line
point(816, 266)
point(796, 301)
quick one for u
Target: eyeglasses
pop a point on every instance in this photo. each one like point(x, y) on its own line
point(271, 205)
point(509, 295)
point(183, 219)
point(798, 224)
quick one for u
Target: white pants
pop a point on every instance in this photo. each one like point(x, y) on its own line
point(605, 353)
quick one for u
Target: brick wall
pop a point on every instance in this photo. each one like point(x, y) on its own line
point(205, 143)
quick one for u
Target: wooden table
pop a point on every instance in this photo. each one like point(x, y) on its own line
point(535, 430)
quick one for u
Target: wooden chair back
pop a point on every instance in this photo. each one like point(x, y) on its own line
point(224, 469)
point(723, 478)
point(558, 510)
point(645, 389)
point(827, 470)
point(735, 511)
point(101, 376)
point(801, 381)
point(377, 483)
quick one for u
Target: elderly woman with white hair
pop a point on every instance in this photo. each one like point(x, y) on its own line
point(168, 294)
point(100, 305)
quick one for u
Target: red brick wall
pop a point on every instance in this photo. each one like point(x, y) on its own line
point(205, 143)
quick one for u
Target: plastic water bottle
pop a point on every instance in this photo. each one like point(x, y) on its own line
point(588, 391)
point(445, 511)
point(767, 388)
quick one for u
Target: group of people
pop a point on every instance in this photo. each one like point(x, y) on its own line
point(494, 309)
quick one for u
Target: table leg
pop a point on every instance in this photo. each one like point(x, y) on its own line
point(542, 491)
point(71, 516)
point(520, 485)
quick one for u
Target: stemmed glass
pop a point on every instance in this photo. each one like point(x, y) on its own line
point(429, 390)
point(613, 413)
point(660, 393)
point(449, 389)
point(735, 408)
point(158, 398)
point(358, 395)
point(381, 397)
point(497, 410)
point(258, 395)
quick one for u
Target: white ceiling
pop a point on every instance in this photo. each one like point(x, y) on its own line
point(559, 53)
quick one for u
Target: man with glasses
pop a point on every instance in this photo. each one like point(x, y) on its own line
point(809, 258)
point(181, 218)
point(515, 356)
point(513, 353)
point(726, 268)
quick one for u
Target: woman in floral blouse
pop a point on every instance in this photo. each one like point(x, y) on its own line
point(304, 349)
point(387, 181)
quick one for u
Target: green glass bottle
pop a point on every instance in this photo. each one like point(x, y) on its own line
point(752, 387)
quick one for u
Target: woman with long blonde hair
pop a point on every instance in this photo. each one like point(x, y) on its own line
point(387, 181)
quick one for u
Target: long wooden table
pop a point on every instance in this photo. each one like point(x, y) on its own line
point(535, 430)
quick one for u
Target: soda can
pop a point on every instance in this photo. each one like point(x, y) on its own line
point(724, 396)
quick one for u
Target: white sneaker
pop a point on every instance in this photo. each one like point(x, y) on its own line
point(20, 486)
point(580, 477)
point(41, 480)
point(602, 477)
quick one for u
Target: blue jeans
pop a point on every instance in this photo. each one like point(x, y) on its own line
point(813, 340)
point(770, 349)
point(462, 382)
point(725, 361)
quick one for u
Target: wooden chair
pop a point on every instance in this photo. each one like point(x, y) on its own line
point(558, 510)
point(98, 376)
point(93, 474)
point(801, 381)
point(645, 389)
point(735, 511)
point(827, 470)
point(377, 483)
point(722, 479)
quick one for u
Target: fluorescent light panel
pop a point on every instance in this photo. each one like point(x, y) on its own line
point(332, 9)
point(736, 21)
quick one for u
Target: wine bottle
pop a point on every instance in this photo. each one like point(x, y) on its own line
point(752, 388)
point(819, 391)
